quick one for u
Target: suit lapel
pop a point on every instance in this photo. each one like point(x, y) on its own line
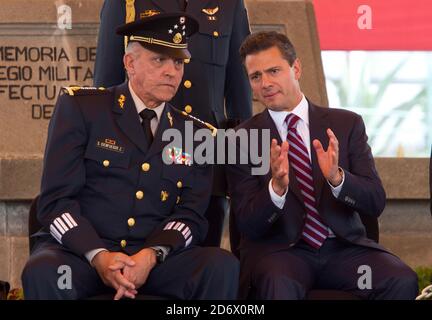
point(127, 117)
point(318, 124)
point(274, 134)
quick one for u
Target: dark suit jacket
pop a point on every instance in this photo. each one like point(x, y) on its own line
point(96, 160)
point(215, 69)
point(265, 228)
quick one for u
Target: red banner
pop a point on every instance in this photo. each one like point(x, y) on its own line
point(374, 24)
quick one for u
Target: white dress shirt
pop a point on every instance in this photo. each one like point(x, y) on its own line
point(302, 127)
point(140, 106)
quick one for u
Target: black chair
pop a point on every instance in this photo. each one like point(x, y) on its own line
point(4, 290)
point(34, 226)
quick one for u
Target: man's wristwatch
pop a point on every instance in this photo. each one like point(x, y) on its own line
point(160, 255)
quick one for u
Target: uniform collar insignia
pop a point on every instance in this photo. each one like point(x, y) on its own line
point(210, 11)
point(121, 100)
point(170, 119)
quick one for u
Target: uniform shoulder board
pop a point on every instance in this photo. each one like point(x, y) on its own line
point(198, 122)
point(82, 91)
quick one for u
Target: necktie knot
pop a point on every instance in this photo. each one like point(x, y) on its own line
point(291, 121)
point(147, 114)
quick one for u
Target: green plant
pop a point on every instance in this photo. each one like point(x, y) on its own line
point(424, 275)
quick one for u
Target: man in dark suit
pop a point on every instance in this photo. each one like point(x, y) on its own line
point(117, 216)
point(300, 222)
point(214, 87)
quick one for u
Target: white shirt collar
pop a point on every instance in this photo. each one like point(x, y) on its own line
point(140, 106)
point(301, 110)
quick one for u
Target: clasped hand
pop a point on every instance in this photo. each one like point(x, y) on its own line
point(124, 273)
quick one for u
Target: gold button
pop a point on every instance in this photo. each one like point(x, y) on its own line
point(216, 34)
point(145, 167)
point(187, 84)
point(178, 199)
point(131, 222)
point(186, 61)
point(188, 108)
point(179, 184)
point(139, 195)
point(105, 163)
point(123, 243)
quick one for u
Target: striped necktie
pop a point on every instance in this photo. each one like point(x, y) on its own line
point(315, 230)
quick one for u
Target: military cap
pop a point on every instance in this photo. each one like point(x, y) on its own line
point(163, 32)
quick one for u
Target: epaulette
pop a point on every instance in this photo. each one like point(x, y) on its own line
point(81, 91)
point(198, 122)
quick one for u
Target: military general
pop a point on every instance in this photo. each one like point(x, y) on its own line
point(114, 214)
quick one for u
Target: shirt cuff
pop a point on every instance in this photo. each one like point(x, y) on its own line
point(279, 201)
point(336, 190)
point(92, 253)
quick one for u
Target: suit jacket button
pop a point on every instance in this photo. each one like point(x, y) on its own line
point(187, 84)
point(106, 163)
point(139, 195)
point(188, 108)
point(145, 167)
point(131, 222)
point(123, 243)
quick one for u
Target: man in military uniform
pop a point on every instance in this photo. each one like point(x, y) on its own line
point(213, 76)
point(114, 214)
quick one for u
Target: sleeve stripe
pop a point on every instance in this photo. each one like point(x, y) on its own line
point(66, 219)
point(186, 230)
point(169, 225)
point(55, 233)
point(188, 242)
point(59, 220)
point(182, 228)
point(187, 234)
point(59, 227)
point(72, 220)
